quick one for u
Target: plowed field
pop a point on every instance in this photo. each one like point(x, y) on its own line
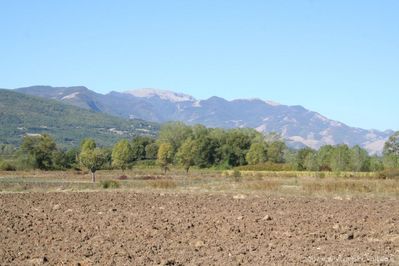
point(130, 228)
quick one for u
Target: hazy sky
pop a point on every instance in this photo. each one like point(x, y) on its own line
point(339, 58)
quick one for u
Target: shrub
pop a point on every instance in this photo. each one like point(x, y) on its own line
point(6, 166)
point(389, 174)
point(236, 175)
point(325, 168)
point(321, 175)
point(109, 184)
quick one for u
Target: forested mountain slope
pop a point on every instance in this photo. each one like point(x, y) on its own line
point(22, 114)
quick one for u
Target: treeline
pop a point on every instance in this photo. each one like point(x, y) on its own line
point(188, 146)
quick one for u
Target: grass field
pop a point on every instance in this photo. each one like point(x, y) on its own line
point(243, 182)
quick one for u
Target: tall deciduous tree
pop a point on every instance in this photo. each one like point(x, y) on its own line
point(257, 153)
point(376, 163)
point(340, 159)
point(391, 147)
point(391, 151)
point(236, 145)
point(187, 153)
point(151, 151)
point(304, 154)
point(390, 161)
point(139, 145)
point(205, 151)
point(324, 156)
point(276, 151)
point(122, 154)
point(174, 133)
point(360, 160)
point(310, 162)
point(165, 156)
point(39, 150)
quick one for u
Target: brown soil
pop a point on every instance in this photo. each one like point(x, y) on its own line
point(127, 228)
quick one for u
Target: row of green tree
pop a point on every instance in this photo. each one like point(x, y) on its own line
point(188, 146)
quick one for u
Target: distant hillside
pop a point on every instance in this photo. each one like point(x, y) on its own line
point(296, 124)
point(78, 96)
point(22, 114)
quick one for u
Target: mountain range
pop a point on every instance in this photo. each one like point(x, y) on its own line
point(297, 125)
point(22, 115)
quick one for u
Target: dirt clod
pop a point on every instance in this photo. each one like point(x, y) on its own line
point(199, 244)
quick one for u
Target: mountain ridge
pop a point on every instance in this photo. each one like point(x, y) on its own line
point(22, 114)
point(298, 125)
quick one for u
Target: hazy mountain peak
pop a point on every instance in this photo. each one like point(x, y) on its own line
point(163, 94)
point(268, 102)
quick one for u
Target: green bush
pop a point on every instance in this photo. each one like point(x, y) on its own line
point(109, 184)
point(6, 166)
point(236, 176)
point(321, 174)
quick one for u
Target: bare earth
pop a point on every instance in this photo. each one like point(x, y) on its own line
point(129, 228)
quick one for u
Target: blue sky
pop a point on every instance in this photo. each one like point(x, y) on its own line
point(340, 58)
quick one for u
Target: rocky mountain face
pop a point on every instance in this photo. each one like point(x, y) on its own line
point(296, 124)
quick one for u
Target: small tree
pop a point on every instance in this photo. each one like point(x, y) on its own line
point(165, 156)
point(122, 154)
point(91, 157)
point(186, 154)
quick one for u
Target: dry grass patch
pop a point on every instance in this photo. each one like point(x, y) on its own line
point(262, 185)
point(289, 174)
point(285, 183)
point(339, 186)
point(162, 184)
